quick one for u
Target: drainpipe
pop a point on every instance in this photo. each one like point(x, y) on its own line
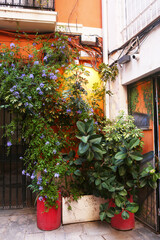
point(105, 49)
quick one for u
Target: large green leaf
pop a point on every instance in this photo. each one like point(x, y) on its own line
point(96, 139)
point(81, 127)
point(120, 155)
point(104, 185)
point(110, 213)
point(123, 192)
point(83, 148)
point(134, 143)
point(98, 156)
point(90, 155)
point(85, 139)
point(119, 201)
point(125, 215)
point(89, 127)
point(136, 157)
point(132, 207)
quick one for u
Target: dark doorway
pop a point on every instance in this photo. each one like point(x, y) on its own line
point(143, 99)
point(13, 185)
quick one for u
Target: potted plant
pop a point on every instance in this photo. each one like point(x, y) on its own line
point(47, 101)
point(114, 172)
point(118, 176)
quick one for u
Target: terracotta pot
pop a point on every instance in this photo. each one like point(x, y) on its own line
point(118, 222)
point(48, 220)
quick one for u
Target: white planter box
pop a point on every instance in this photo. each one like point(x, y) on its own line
point(84, 210)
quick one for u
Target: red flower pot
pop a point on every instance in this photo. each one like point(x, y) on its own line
point(48, 220)
point(118, 222)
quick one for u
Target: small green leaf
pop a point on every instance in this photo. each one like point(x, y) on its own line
point(97, 182)
point(123, 192)
point(83, 148)
point(81, 127)
point(85, 139)
point(136, 157)
point(125, 215)
point(102, 216)
point(134, 143)
point(77, 173)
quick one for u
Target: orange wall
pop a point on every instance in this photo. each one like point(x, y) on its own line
point(86, 12)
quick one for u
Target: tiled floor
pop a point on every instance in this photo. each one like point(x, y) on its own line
point(21, 225)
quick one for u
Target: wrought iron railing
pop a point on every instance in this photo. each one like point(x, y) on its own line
point(34, 4)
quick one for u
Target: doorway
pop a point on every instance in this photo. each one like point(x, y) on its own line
point(143, 104)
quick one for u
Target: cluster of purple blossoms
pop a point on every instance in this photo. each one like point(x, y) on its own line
point(42, 136)
point(12, 45)
point(36, 63)
point(26, 104)
point(68, 110)
point(13, 88)
point(33, 176)
point(39, 91)
point(56, 175)
point(16, 94)
point(9, 144)
point(39, 180)
point(29, 97)
point(31, 76)
point(79, 111)
point(45, 58)
point(54, 151)
point(40, 198)
point(53, 76)
point(6, 72)
point(41, 85)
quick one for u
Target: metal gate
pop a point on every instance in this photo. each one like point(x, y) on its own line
point(13, 185)
point(143, 99)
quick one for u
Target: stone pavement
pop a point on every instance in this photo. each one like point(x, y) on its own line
point(21, 225)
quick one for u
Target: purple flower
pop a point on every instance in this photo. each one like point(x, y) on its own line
point(36, 63)
point(56, 71)
point(27, 174)
point(23, 172)
point(45, 196)
point(0, 64)
point(6, 72)
point(12, 45)
point(38, 89)
point(43, 74)
point(57, 143)
point(52, 44)
point(47, 143)
point(42, 136)
point(23, 75)
point(40, 188)
point(31, 76)
point(33, 176)
point(21, 158)
point(26, 104)
point(40, 93)
point(68, 110)
point(40, 198)
point(45, 170)
point(16, 94)
point(35, 162)
point(53, 76)
point(45, 58)
point(54, 151)
point(34, 44)
point(41, 85)
point(56, 175)
point(29, 97)
point(79, 111)
point(96, 123)
point(13, 65)
point(63, 47)
point(9, 144)
point(57, 163)
point(69, 39)
point(30, 56)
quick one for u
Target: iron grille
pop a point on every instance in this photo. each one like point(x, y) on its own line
point(34, 4)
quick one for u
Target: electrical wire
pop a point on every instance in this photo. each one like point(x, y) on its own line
point(71, 15)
